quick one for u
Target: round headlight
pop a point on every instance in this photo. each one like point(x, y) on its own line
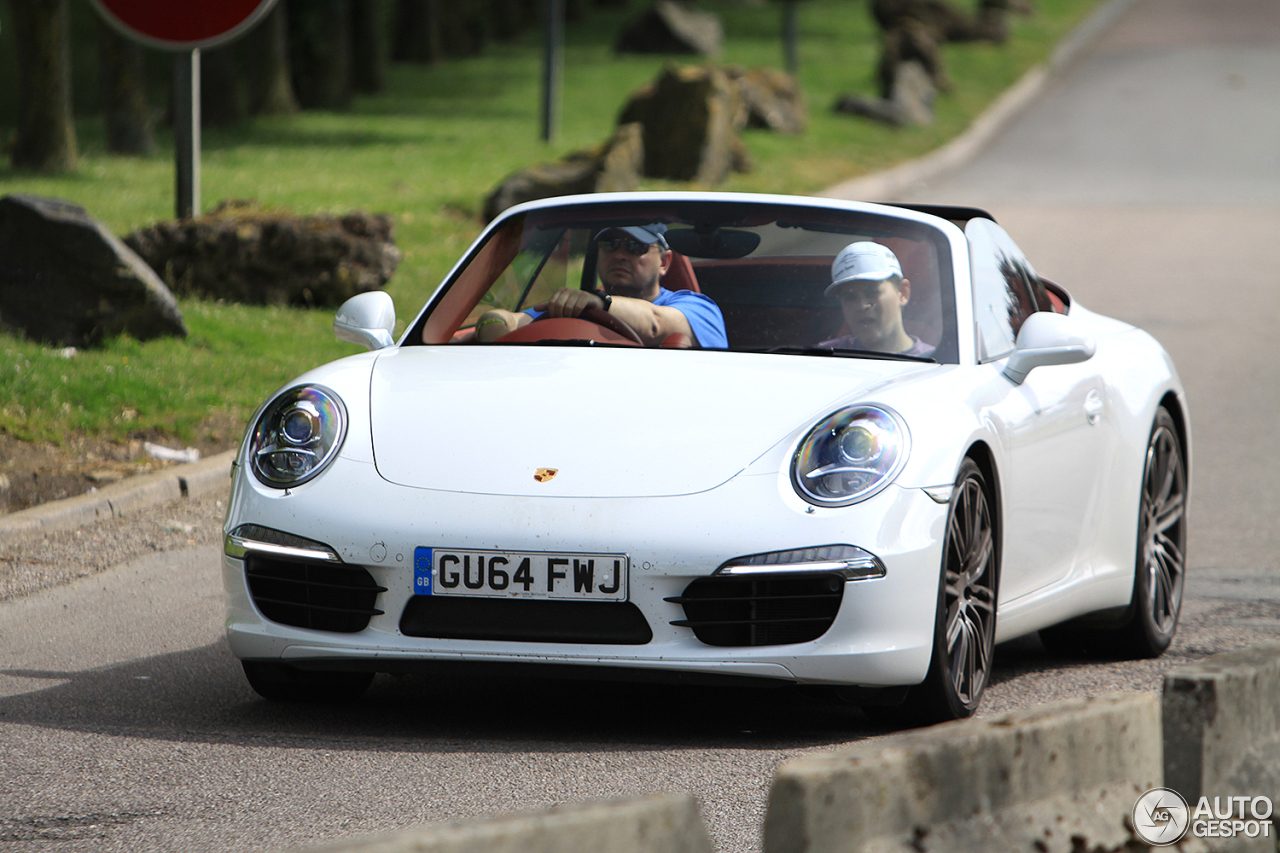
point(297, 435)
point(850, 456)
point(301, 425)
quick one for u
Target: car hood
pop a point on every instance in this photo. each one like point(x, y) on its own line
point(608, 422)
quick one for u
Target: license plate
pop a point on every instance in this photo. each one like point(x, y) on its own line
point(513, 574)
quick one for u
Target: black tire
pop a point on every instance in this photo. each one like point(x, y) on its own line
point(1151, 619)
point(965, 625)
point(283, 683)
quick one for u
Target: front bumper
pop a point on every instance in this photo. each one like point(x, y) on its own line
point(882, 634)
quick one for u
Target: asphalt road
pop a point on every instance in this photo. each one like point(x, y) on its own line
point(1146, 181)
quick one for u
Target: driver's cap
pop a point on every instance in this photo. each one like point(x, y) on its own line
point(648, 234)
point(863, 262)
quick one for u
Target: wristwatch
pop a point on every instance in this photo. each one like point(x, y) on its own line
point(605, 298)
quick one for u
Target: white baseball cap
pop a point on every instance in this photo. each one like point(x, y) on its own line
point(863, 262)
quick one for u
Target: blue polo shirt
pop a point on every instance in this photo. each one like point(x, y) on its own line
point(703, 315)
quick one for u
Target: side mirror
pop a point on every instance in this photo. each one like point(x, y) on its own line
point(1044, 339)
point(367, 319)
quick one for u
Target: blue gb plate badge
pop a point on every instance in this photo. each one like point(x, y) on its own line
point(421, 571)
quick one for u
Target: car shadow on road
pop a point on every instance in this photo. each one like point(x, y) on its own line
point(201, 695)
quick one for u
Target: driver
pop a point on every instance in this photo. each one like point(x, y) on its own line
point(631, 261)
point(867, 279)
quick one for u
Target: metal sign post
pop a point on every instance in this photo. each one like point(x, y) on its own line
point(552, 69)
point(186, 132)
point(790, 38)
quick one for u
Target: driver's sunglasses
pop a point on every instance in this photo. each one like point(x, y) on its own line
point(631, 244)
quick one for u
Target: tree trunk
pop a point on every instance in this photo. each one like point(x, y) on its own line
point(368, 47)
point(510, 18)
point(221, 89)
point(124, 96)
point(465, 26)
point(428, 31)
point(320, 50)
point(265, 52)
point(46, 138)
point(418, 34)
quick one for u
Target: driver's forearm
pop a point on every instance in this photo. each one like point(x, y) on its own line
point(652, 322)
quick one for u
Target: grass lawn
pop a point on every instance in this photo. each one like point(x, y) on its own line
point(427, 151)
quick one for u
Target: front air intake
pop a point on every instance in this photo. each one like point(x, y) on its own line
point(761, 609)
point(322, 596)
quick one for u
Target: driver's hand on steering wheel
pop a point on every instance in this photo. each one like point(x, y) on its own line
point(568, 302)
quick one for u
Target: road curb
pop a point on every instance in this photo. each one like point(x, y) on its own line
point(121, 499)
point(893, 183)
point(1057, 778)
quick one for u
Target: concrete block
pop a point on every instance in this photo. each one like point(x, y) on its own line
point(1060, 777)
point(657, 824)
point(1222, 725)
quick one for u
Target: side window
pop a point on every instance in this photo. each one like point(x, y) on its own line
point(1006, 289)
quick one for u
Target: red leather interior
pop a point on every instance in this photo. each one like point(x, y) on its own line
point(677, 340)
point(679, 275)
point(1057, 296)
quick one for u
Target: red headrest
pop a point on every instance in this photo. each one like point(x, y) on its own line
point(679, 275)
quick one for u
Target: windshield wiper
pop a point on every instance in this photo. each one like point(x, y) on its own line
point(847, 353)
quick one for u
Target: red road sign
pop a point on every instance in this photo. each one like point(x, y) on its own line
point(187, 25)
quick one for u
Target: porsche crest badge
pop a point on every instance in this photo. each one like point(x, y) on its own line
point(542, 475)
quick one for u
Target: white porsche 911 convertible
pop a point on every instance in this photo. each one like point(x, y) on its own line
point(711, 435)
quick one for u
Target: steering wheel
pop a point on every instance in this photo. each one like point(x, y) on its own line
point(605, 319)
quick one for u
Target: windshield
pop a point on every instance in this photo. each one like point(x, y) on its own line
point(745, 276)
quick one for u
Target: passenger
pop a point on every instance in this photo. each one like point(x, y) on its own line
point(631, 261)
point(867, 279)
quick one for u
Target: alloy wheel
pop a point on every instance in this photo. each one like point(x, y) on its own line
point(970, 596)
point(1162, 530)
